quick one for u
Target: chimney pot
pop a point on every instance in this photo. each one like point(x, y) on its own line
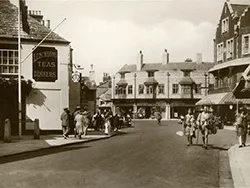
point(48, 24)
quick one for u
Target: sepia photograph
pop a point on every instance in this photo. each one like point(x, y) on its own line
point(124, 93)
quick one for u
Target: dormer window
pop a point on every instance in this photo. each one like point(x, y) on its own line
point(225, 25)
point(151, 74)
point(186, 73)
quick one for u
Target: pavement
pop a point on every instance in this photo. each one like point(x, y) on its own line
point(28, 144)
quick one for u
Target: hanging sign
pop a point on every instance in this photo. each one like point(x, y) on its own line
point(45, 64)
point(76, 77)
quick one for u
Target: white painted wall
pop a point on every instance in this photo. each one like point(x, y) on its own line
point(47, 100)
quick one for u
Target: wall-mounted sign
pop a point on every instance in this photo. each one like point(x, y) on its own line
point(45, 64)
point(76, 76)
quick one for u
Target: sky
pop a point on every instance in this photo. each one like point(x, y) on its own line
point(109, 34)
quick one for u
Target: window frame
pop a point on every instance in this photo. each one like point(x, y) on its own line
point(244, 51)
point(130, 89)
point(149, 89)
point(140, 89)
point(151, 74)
point(220, 51)
point(175, 88)
point(7, 56)
point(161, 89)
point(230, 48)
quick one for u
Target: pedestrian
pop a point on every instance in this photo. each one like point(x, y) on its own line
point(116, 122)
point(86, 121)
point(158, 117)
point(76, 111)
point(65, 118)
point(241, 122)
point(97, 121)
point(107, 124)
point(79, 124)
point(189, 127)
point(203, 123)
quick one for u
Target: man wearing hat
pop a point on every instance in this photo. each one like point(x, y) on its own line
point(241, 122)
point(65, 122)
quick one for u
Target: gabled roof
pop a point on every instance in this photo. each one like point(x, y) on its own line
point(186, 80)
point(239, 8)
point(106, 96)
point(102, 88)
point(9, 28)
point(128, 68)
point(152, 66)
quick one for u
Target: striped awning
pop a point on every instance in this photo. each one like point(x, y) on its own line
point(231, 99)
point(212, 99)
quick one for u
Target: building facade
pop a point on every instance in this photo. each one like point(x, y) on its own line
point(232, 59)
point(46, 67)
point(168, 87)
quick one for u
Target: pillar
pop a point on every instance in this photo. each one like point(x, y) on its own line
point(7, 131)
point(36, 129)
point(167, 115)
point(135, 111)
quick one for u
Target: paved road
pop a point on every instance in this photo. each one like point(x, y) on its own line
point(146, 156)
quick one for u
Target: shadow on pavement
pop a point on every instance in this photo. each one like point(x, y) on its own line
point(38, 153)
point(210, 146)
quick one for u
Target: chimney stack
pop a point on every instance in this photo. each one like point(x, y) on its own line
point(166, 56)
point(48, 24)
point(199, 58)
point(36, 14)
point(92, 73)
point(140, 62)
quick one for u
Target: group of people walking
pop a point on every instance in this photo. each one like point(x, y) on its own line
point(204, 123)
point(80, 120)
point(207, 123)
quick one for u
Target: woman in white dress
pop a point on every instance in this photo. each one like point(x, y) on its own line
point(79, 124)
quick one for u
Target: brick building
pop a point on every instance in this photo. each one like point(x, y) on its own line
point(232, 59)
point(170, 87)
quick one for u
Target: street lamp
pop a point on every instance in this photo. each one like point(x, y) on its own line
point(205, 74)
point(135, 105)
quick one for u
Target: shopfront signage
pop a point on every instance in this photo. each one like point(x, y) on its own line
point(45, 64)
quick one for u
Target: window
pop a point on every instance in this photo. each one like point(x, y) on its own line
point(151, 74)
point(186, 89)
point(198, 88)
point(122, 75)
point(130, 89)
point(116, 90)
point(161, 88)
point(224, 25)
point(230, 48)
point(220, 52)
point(186, 73)
point(141, 89)
point(149, 89)
point(123, 90)
point(8, 61)
point(245, 44)
point(175, 88)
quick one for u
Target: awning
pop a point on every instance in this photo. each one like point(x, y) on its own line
point(211, 99)
point(150, 81)
point(186, 80)
point(122, 82)
point(229, 98)
point(232, 63)
point(242, 89)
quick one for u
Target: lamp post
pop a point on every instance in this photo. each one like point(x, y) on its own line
point(205, 74)
point(135, 105)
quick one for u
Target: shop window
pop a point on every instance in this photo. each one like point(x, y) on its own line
point(141, 89)
point(161, 88)
point(8, 61)
point(130, 89)
point(149, 89)
point(245, 44)
point(175, 88)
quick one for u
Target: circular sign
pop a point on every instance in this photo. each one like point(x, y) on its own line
point(76, 77)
